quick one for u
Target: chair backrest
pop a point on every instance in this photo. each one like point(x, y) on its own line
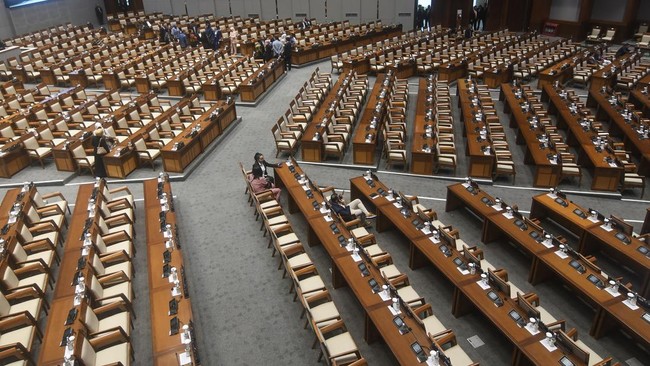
point(19, 254)
point(5, 306)
point(88, 355)
point(79, 152)
point(31, 143)
point(91, 321)
point(9, 278)
point(7, 132)
point(140, 145)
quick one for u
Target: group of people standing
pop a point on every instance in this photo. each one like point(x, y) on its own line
point(209, 37)
point(276, 47)
point(423, 17)
point(477, 16)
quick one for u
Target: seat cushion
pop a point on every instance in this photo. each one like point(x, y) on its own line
point(311, 284)
point(432, 325)
point(324, 314)
point(118, 353)
point(24, 336)
point(457, 356)
point(340, 346)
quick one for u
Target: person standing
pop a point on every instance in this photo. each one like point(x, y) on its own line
point(278, 48)
point(482, 15)
point(268, 50)
point(234, 38)
point(261, 167)
point(217, 38)
point(100, 148)
point(209, 35)
point(288, 50)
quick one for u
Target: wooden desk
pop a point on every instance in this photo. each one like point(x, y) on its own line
point(422, 160)
point(598, 239)
point(371, 121)
point(477, 201)
point(544, 205)
point(166, 347)
point(13, 158)
point(255, 85)
point(52, 352)
point(481, 165)
point(122, 165)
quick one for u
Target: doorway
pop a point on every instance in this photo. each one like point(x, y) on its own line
point(422, 16)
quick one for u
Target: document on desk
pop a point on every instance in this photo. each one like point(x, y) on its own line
point(548, 244)
point(328, 218)
point(608, 229)
point(497, 207)
point(305, 187)
point(508, 216)
point(561, 254)
point(547, 345)
point(630, 305)
point(593, 219)
point(357, 258)
point(484, 286)
point(397, 205)
point(463, 271)
point(384, 296)
point(552, 195)
point(184, 359)
point(434, 240)
point(613, 291)
point(426, 231)
point(393, 311)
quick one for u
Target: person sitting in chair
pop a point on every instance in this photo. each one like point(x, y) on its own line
point(260, 183)
point(351, 211)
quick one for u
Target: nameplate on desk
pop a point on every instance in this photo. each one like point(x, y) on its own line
point(561, 254)
point(608, 229)
point(613, 291)
point(393, 311)
point(484, 286)
point(547, 345)
point(629, 305)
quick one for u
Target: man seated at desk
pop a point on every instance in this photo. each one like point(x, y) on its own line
point(351, 211)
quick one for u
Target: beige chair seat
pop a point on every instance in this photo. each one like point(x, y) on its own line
point(287, 239)
point(373, 250)
point(341, 348)
point(280, 219)
point(324, 314)
point(359, 232)
point(299, 261)
point(408, 294)
point(432, 325)
point(311, 284)
point(390, 271)
point(505, 167)
point(112, 355)
point(457, 356)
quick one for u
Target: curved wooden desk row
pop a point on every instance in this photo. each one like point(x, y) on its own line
point(546, 158)
point(577, 271)
point(346, 269)
point(255, 85)
point(607, 172)
point(68, 315)
point(445, 255)
point(196, 138)
point(312, 145)
point(563, 70)
point(606, 75)
point(626, 128)
point(164, 253)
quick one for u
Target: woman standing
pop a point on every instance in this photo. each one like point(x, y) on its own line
point(233, 35)
point(100, 148)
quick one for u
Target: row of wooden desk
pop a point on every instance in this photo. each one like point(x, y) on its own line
point(607, 173)
point(372, 120)
point(549, 261)
point(628, 129)
point(164, 253)
point(444, 256)
point(346, 270)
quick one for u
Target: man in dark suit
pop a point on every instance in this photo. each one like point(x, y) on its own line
point(261, 167)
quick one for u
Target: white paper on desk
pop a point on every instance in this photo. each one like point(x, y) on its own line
point(12, 219)
point(324, 210)
point(608, 229)
point(547, 345)
point(185, 338)
point(184, 359)
point(393, 311)
point(305, 187)
point(627, 303)
point(426, 230)
point(497, 207)
point(328, 218)
point(356, 257)
point(368, 141)
point(433, 240)
point(613, 164)
point(167, 234)
point(463, 271)
point(614, 292)
point(465, 185)
point(483, 285)
point(375, 196)
point(384, 296)
point(592, 219)
point(552, 195)
point(548, 244)
point(508, 215)
point(176, 291)
point(390, 199)
point(561, 254)
point(397, 205)
point(289, 163)
point(531, 330)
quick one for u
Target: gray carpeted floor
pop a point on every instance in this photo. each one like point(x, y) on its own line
point(243, 312)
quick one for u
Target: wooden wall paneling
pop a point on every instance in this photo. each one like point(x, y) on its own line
point(336, 10)
point(539, 13)
point(237, 7)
